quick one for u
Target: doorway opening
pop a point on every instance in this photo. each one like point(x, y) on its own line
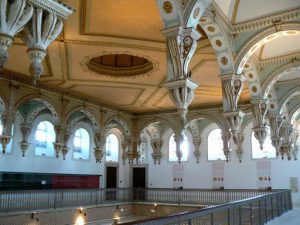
point(111, 182)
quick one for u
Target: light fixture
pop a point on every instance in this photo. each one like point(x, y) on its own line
point(154, 208)
point(33, 216)
point(117, 214)
point(79, 220)
point(80, 217)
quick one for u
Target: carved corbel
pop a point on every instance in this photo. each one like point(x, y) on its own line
point(125, 149)
point(4, 140)
point(179, 139)
point(14, 15)
point(156, 146)
point(232, 86)
point(181, 45)
point(58, 147)
point(226, 149)
point(259, 111)
point(275, 125)
point(238, 140)
point(197, 142)
point(295, 139)
point(65, 149)
point(39, 33)
point(99, 151)
point(286, 132)
point(25, 130)
point(132, 150)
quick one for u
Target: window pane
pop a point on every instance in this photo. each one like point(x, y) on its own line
point(81, 144)
point(215, 145)
point(268, 151)
point(112, 148)
point(44, 138)
point(184, 147)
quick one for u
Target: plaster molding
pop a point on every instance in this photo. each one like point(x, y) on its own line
point(288, 83)
point(280, 59)
point(60, 9)
point(85, 61)
point(266, 21)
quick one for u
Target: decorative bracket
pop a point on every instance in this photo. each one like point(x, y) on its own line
point(58, 147)
point(156, 146)
point(14, 16)
point(275, 125)
point(286, 132)
point(197, 142)
point(25, 130)
point(4, 140)
point(232, 86)
point(99, 151)
point(226, 137)
point(259, 111)
point(181, 45)
point(238, 140)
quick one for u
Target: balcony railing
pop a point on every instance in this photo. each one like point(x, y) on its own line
point(16, 201)
point(253, 211)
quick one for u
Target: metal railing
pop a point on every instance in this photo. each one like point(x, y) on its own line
point(253, 211)
point(16, 201)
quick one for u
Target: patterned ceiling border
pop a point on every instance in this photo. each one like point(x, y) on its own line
point(85, 68)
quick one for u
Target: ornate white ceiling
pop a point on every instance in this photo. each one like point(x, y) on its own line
point(133, 27)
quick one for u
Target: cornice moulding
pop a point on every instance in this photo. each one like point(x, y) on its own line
point(11, 76)
point(60, 9)
point(294, 82)
point(266, 21)
point(280, 59)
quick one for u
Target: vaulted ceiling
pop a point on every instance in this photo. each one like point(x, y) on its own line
point(133, 27)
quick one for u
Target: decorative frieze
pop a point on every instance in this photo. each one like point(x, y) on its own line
point(266, 21)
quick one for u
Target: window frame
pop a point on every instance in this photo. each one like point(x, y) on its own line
point(119, 148)
point(72, 147)
point(207, 144)
point(36, 124)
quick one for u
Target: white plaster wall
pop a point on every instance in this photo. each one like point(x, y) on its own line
point(236, 175)
point(31, 163)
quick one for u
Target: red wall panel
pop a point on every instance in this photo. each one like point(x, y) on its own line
point(64, 181)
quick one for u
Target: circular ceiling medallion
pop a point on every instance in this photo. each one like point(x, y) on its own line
point(119, 65)
point(167, 6)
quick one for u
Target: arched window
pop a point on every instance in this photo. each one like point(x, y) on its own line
point(215, 145)
point(81, 144)
point(112, 148)
point(268, 151)
point(44, 138)
point(184, 147)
